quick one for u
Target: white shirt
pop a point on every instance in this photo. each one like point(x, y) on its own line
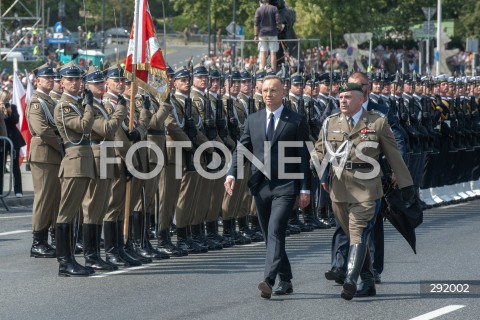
point(356, 116)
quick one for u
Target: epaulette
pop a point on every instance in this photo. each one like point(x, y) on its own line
point(378, 113)
point(334, 115)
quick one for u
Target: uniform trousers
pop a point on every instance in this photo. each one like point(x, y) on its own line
point(47, 194)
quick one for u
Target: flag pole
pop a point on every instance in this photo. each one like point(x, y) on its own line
point(128, 187)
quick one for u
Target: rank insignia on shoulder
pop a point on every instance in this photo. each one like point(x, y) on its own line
point(66, 109)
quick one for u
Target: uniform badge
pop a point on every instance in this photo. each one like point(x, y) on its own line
point(66, 109)
point(109, 110)
point(138, 103)
point(35, 107)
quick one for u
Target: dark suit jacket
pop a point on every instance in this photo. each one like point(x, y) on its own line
point(291, 127)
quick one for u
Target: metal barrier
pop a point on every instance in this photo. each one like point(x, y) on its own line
point(3, 155)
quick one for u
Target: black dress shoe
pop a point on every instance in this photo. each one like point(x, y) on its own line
point(266, 289)
point(336, 274)
point(284, 287)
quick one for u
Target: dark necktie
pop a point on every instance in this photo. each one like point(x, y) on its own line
point(271, 127)
point(351, 124)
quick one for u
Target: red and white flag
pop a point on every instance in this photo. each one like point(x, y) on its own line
point(144, 51)
point(19, 96)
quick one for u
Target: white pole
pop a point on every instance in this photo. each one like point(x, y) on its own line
point(370, 56)
point(438, 54)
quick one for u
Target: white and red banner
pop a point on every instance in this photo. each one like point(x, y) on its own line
point(144, 52)
point(19, 98)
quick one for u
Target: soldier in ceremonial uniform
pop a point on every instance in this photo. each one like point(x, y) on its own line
point(74, 120)
point(296, 90)
point(45, 156)
point(354, 199)
point(95, 203)
point(237, 116)
point(114, 219)
point(259, 104)
point(57, 90)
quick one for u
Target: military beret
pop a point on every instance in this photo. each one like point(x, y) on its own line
point(44, 70)
point(296, 78)
point(350, 87)
point(93, 75)
point(181, 72)
point(70, 70)
point(200, 70)
point(245, 75)
point(115, 72)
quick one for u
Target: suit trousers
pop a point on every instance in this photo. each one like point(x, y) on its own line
point(273, 213)
point(95, 203)
point(356, 219)
point(47, 194)
point(73, 192)
point(168, 195)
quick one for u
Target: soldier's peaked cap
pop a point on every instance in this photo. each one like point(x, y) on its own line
point(181, 72)
point(115, 72)
point(70, 70)
point(93, 75)
point(200, 70)
point(44, 70)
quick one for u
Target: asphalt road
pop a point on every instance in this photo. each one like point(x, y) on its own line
point(222, 284)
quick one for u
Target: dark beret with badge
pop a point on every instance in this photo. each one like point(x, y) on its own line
point(350, 87)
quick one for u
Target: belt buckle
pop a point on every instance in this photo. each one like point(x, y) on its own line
point(348, 165)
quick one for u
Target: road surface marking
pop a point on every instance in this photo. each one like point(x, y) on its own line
point(14, 217)
point(438, 312)
point(14, 232)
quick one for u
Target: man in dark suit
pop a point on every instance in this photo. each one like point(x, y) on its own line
point(275, 191)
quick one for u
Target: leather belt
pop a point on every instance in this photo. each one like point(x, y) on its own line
point(349, 165)
point(96, 141)
point(154, 132)
point(82, 143)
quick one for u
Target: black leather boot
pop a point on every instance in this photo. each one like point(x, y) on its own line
point(311, 218)
point(244, 229)
point(68, 267)
point(323, 218)
point(40, 247)
point(212, 234)
point(203, 239)
point(366, 288)
point(356, 257)
point(130, 247)
point(111, 245)
point(133, 261)
point(91, 249)
point(151, 230)
point(79, 243)
point(140, 241)
point(295, 222)
point(193, 244)
point(53, 243)
point(182, 241)
point(165, 245)
point(227, 231)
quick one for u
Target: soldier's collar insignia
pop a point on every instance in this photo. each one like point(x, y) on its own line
point(35, 106)
point(66, 109)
